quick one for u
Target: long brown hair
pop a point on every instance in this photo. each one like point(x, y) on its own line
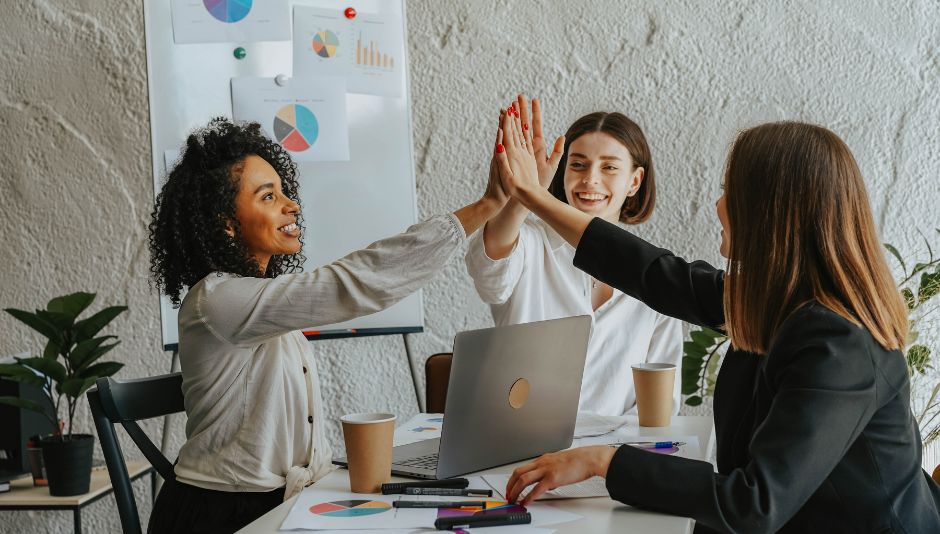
point(801, 231)
point(636, 208)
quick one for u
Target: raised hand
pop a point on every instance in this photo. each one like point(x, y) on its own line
point(518, 169)
point(547, 162)
point(494, 188)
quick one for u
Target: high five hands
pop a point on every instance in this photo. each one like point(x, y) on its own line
point(521, 158)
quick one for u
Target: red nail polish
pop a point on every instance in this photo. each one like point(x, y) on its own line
point(525, 126)
point(500, 148)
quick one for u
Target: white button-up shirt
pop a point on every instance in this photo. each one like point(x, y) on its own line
point(538, 281)
point(250, 383)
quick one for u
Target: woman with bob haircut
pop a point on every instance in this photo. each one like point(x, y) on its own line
point(227, 227)
point(812, 417)
point(523, 269)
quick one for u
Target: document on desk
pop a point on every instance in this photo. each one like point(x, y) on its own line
point(592, 424)
point(684, 446)
point(329, 510)
point(420, 427)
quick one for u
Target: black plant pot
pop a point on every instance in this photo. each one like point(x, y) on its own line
point(68, 464)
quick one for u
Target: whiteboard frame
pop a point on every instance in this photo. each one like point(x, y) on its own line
point(172, 117)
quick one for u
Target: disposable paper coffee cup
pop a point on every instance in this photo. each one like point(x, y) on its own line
point(368, 439)
point(654, 383)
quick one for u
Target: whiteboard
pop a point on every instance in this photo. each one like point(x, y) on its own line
point(191, 83)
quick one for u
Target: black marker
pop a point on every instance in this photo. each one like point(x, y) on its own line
point(448, 492)
point(490, 520)
point(398, 487)
point(438, 504)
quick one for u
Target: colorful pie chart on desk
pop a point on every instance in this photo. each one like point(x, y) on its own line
point(296, 127)
point(228, 10)
point(325, 43)
point(350, 508)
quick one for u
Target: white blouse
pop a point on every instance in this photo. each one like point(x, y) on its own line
point(538, 281)
point(250, 383)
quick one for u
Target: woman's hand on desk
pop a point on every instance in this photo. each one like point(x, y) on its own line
point(556, 469)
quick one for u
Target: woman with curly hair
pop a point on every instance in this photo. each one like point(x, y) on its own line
point(227, 227)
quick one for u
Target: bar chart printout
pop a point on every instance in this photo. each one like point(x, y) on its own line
point(368, 50)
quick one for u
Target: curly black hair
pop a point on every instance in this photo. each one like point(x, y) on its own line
point(188, 238)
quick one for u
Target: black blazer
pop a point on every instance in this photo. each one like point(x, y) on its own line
point(815, 436)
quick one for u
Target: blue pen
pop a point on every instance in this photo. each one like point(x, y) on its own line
point(654, 444)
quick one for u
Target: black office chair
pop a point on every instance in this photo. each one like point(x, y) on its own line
point(126, 402)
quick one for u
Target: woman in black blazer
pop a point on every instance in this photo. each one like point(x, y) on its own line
point(812, 416)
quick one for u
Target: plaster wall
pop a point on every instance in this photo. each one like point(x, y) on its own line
point(75, 188)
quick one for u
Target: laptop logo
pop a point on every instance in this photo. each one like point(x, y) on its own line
point(519, 393)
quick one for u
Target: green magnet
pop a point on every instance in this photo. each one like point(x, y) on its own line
point(239, 53)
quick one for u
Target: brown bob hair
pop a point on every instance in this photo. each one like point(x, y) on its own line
point(638, 207)
point(802, 231)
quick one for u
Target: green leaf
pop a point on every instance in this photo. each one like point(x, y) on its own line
point(37, 323)
point(25, 404)
point(101, 369)
point(692, 349)
point(74, 387)
point(918, 358)
point(929, 286)
point(87, 328)
point(71, 305)
point(909, 298)
point(61, 321)
point(897, 255)
point(51, 368)
point(702, 339)
point(694, 400)
point(51, 351)
point(89, 350)
point(918, 267)
point(24, 375)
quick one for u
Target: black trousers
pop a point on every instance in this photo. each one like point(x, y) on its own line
point(181, 508)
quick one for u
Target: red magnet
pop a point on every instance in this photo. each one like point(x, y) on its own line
point(350, 13)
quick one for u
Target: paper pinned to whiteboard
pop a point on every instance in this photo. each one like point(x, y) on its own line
point(227, 21)
point(306, 115)
point(367, 50)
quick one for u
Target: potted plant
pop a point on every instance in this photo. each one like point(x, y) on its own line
point(918, 285)
point(67, 367)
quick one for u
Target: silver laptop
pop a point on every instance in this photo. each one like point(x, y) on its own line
point(513, 394)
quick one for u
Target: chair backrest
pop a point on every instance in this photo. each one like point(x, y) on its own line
point(436, 380)
point(126, 402)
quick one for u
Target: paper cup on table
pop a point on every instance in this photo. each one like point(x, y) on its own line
point(654, 383)
point(368, 438)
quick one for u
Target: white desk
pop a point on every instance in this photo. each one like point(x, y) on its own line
point(599, 514)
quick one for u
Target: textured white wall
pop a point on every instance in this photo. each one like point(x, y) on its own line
point(75, 189)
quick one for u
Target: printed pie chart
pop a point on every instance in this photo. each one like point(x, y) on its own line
point(296, 127)
point(325, 43)
point(350, 508)
point(228, 10)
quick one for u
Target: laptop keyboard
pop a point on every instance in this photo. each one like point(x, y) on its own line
point(421, 462)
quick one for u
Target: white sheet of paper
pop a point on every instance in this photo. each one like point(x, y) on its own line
point(690, 449)
point(420, 427)
point(229, 21)
point(317, 509)
point(591, 424)
point(323, 510)
point(367, 50)
point(592, 487)
point(306, 115)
